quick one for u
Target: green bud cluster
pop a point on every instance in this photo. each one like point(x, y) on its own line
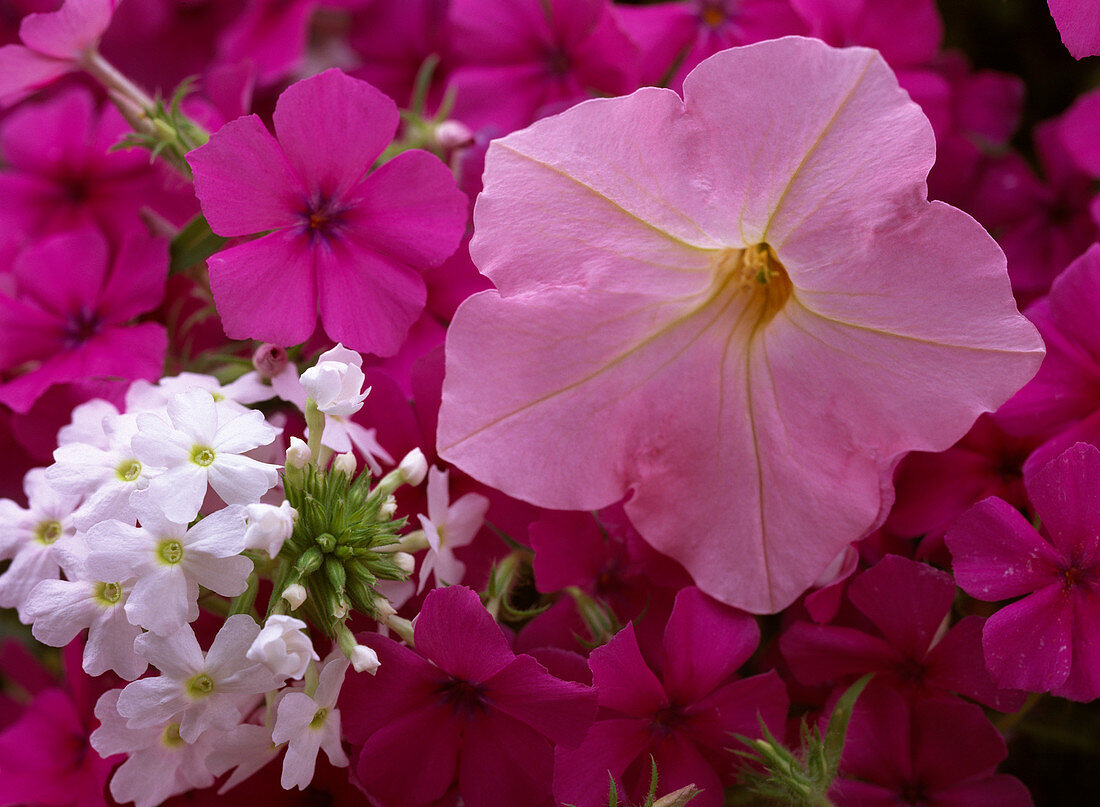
point(802, 778)
point(337, 550)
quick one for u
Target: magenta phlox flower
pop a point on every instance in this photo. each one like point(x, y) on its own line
point(680, 705)
point(394, 38)
point(907, 648)
point(516, 60)
point(935, 753)
point(347, 242)
point(1049, 638)
point(906, 32)
point(1059, 406)
point(71, 324)
point(54, 43)
point(1078, 22)
point(60, 173)
point(603, 556)
point(721, 303)
point(674, 37)
point(273, 34)
point(935, 489)
point(461, 707)
point(45, 758)
point(1050, 220)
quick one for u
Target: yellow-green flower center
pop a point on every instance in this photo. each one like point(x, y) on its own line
point(202, 456)
point(108, 593)
point(48, 531)
point(319, 718)
point(170, 551)
point(199, 686)
point(128, 470)
point(171, 737)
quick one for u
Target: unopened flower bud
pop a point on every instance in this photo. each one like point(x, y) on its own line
point(269, 526)
point(341, 609)
point(295, 595)
point(298, 454)
point(383, 609)
point(345, 464)
point(452, 134)
point(413, 468)
point(404, 561)
point(389, 507)
point(282, 647)
point(336, 381)
point(269, 360)
point(363, 659)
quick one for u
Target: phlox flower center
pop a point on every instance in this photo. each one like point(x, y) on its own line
point(170, 551)
point(322, 218)
point(463, 696)
point(171, 737)
point(108, 593)
point(713, 13)
point(202, 456)
point(319, 718)
point(81, 326)
point(48, 531)
point(666, 720)
point(128, 470)
point(755, 271)
point(199, 686)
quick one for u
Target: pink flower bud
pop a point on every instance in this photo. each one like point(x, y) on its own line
point(269, 360)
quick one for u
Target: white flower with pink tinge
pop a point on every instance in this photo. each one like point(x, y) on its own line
point(60, 609)
point(447, 527)
point(199, 691)
point(202, 442)
point(170, 562)
point(308, 724)
point(159, 763)
point(334, 383)
point(29, 537)
point(104, 475)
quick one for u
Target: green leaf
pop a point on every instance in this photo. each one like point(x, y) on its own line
point(193, 244)
point(838, 722)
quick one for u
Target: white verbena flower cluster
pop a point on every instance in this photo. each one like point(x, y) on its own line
point(146, 509)
point(140, 512)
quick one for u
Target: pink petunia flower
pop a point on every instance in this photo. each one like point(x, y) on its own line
point(342, 240)
point(1049, 640)
point(1078, 22)
point(463, 707)
point(740, 298)
point(680, 706)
